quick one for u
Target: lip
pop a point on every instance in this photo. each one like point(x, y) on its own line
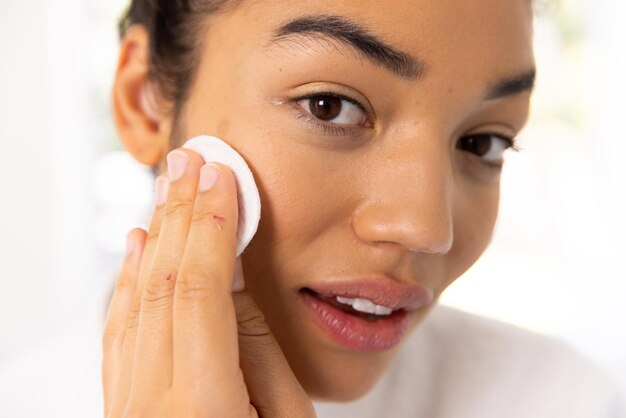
point(358, 333)
point(379, 289)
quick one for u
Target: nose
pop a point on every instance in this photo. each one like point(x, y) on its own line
point(409, 200)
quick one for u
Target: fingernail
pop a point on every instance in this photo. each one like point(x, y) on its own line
point(130, 243)
point(161, 188)
point(177, 162)
point(209, 174)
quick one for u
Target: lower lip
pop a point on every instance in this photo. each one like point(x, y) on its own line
point(354, 332)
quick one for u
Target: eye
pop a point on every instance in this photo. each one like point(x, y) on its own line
point(489, 147)
point(334, 109)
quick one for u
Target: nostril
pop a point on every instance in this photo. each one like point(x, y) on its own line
point(417, 231)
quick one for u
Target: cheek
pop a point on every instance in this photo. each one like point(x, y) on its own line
point(474, 220)
point(299, 204)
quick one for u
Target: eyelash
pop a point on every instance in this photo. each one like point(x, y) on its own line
point(513, 146)
point(330, 129)
point(333, 129)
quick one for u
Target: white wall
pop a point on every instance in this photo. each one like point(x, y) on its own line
point(46, 150)
point(52, 280)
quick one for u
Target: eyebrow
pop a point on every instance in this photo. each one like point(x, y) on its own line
point(357, 37)
point(512, 86)
point(381, 53)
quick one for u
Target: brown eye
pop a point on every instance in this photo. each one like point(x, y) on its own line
point(334, 109)
point(476, 144)
point(325, 108)
point(487, 146)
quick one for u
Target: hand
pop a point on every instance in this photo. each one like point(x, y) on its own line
point(177, 342)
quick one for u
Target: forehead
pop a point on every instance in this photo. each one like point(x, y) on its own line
point(489, 37)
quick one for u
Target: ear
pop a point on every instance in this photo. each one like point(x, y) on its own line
point(137, 109)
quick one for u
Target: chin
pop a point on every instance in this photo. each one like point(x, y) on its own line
point(340, 376)
point(346, 391)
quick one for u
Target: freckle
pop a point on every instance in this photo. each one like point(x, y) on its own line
point(169, 277)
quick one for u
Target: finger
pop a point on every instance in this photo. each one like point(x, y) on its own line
point(239, 283)
point(205, 328)
point(117, 314)
point(154, 230)
point(128, 351)
point(273, 388)
point(153, 358)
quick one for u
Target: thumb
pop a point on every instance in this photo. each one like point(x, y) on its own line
point(273, 388)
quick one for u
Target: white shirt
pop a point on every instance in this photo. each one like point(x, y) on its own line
point(454, 365)
point(459, 365)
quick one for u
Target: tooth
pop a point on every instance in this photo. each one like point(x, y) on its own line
point(364, 305)
point(383, 310)
point(346, 301)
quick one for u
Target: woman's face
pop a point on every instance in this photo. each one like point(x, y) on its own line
point(375, 131)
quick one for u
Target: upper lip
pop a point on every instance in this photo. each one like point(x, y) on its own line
point(381, 290)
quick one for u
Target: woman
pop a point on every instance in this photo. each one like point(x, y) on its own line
point(376, 133)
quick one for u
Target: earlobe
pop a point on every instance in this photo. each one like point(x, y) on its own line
point(142, 128)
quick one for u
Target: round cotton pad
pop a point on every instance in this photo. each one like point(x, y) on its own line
point(213, 149)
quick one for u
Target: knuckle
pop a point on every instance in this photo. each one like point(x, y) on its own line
point(250, 320)
point(178, 207)
point(156, 297)
point(111, 337)
point(159, 289)
point(209, 217)
point(254, 327)
point(194, 285)
point(154, 233)
point(133, 318)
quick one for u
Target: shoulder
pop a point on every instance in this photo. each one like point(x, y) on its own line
point(473, 358)
point(490, 343)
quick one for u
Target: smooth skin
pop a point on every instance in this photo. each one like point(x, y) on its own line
point(392, 196)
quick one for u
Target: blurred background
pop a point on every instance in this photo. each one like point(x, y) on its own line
point(70, 195)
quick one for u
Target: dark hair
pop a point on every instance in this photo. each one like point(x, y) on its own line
point(175, 29)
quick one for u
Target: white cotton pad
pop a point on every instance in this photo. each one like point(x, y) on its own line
point(213, 149)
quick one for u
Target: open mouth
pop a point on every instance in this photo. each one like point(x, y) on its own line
point(353, 307)
point(356, 324)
